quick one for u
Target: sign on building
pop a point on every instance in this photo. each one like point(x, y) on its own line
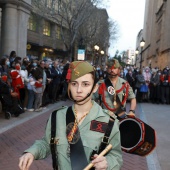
point(81, 54)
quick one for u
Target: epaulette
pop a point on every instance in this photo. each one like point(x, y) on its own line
point(111, 114)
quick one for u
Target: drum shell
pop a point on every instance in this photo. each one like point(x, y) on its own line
point(136, 136)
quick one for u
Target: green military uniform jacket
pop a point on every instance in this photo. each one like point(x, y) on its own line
point(108, 100)
point(91, 139)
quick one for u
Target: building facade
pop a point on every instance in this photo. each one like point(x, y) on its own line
point(156, 51)
point(14, 19)
point(28, 34)
point(33, 34)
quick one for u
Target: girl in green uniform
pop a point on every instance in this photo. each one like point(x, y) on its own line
point(86, 131)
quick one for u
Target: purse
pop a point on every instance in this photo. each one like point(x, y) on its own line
point(144, 88)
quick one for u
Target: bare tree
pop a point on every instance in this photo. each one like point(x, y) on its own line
point(98, 29)
point(70, 15)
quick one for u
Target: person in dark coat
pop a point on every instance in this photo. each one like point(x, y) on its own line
point(164, 83)
point(48, 88)
point(64, 82)
point(139, 81)
point(131, 79)
point(154, 87)
point(56, 75)
point(9, 98)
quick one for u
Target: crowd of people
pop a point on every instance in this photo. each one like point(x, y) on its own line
point(32, 83)
point(149, 84)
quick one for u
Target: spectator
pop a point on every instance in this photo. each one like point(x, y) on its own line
point(42, 74)
point(164, 83)
point(154, 87)
point(17, 82)
point(5, 68)
point(147, 77)
point(12, 57)
point(38, 90)
point(100, 73)
point(31, 94)
point(56, 81)
point(64, 82)
point(131, 79)
point(48, 88)
point(9, 98)
point(139, 82)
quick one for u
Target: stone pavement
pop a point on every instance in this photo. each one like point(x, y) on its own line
point(17, 134)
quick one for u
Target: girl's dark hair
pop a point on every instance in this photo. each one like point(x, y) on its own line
point(94, 77)
point(12, 53)
point(3, 60)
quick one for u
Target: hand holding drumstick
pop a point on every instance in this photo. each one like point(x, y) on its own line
point(107, 149)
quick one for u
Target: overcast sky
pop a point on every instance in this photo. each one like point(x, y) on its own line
point(130, 17)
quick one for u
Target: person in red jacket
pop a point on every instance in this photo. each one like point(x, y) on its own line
point(16, 79)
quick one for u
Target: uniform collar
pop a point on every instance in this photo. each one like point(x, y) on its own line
point(95, 112)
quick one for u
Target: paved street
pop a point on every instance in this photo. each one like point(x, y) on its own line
point(17, 134)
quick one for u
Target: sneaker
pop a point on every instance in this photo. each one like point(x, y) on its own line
point(25, 108)
point(30, 110)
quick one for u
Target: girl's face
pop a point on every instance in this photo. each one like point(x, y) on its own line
point(81, 87)
point(40, 80)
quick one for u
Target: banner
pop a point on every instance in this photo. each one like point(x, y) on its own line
point(81, 54)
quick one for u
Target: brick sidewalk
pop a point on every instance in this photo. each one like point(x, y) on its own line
point(14, 141)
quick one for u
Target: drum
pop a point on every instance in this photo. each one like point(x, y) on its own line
point(136, 136)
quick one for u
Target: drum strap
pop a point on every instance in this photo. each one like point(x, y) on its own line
point(52, 141)
point(105, 139)
point(77, 154)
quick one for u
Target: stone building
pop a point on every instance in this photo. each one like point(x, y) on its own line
point(33, 34)
point(156, 51)
point(27, 33)
point(14, 19)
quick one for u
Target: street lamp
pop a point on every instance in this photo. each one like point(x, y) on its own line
point(101, 58)
point(136, 53)
point(102, 52)
point(142, 44)
point(96, 48)
point(132, 59)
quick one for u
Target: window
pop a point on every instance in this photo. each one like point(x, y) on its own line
point(53, 5)
point(58, 33)
point(32, 24)
point(49, 3)
point(47, 28)
point(159, 29)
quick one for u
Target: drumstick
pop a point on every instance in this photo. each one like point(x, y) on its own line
point(107, 149)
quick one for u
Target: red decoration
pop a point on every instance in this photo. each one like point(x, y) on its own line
point(4, 78)
point(68, 77)
point(38, 84)
point(16, 81)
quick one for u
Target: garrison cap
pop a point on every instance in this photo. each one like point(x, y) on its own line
point(78, 69)
point(113, 63)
